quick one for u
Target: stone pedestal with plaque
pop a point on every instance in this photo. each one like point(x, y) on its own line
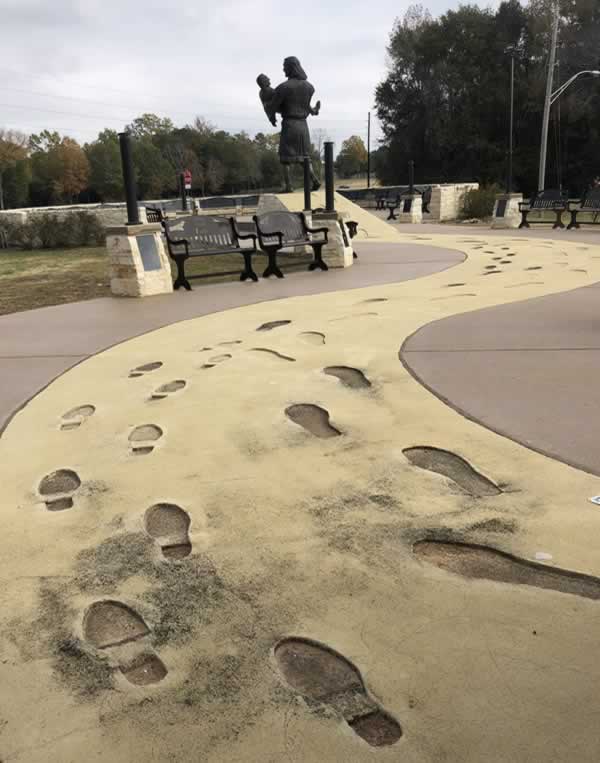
point(139, 265)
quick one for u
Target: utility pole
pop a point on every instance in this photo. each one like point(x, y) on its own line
point(548, 100)
point(511, 122)
point(369, 151)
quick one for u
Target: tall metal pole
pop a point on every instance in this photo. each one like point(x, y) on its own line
point(411, 177)
point(548, 100)
point(329, 202)
point(133, 213)
point(510, 129)
point(182, 192)
point(307, 184)
point(369, 151)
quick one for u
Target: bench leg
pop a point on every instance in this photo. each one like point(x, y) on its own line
point(391, 215)
point(573, 223)
point(181, 280)
point(272, 269)
point(524, 223)
point(559, 223)
point(354, 255)
point(318, 261)
point(247, 272)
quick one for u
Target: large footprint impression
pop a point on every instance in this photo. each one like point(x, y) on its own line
point(143, 438)
point(57, 489)
point(313, 418)
point(168, 525)
point(110, 624)
point(454, 467)
point(74, 418)
point(321, 674)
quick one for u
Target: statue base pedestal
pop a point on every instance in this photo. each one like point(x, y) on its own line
point(506, 210)
point(337, 252)
point(139, 265)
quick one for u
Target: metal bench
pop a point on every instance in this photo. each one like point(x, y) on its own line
point(589, 202)
point(206, 236)
point(550, 199)
point(283, 230)
point(154, 215)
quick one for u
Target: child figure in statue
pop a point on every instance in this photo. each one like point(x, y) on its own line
point(266, 94)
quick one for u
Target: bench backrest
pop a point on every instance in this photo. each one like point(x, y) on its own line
point(591, 200)
point(203, 233)
point(289, 224)
point(548, 198)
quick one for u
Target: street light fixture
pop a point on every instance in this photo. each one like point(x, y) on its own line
point(552, 97)
point(559, 91)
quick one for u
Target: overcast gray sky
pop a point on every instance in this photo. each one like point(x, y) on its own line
point(80, 66)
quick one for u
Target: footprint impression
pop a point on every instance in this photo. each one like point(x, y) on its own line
point(57, 489)
point(350, 377)
point(168, 525)
point(143, 439)
point(273, 353)
point(313, 337)
point(168, 389)
point(313, 418)
point(270, 325)
point(145, 369)
point(110, 625)
point(453, 467)
point(485, 563)
point(319, 673)
point(215, 360)
point(74, 418)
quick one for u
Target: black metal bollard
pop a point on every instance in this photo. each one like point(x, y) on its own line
point(182, 192)
point(133, 212)
point(329, 201)
point(307, 184)
point(411, 177)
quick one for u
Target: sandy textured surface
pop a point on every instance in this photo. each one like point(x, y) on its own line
point(293, 534)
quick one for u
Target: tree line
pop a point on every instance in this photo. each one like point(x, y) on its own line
point(48, 168)
point(445, 99)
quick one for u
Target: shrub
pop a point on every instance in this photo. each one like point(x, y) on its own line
point(49, 231)
point(479, 202)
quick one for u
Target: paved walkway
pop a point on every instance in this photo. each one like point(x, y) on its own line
point(38, 345)
point(529, 371)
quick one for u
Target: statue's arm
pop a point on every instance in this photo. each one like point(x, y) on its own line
point(277, 99)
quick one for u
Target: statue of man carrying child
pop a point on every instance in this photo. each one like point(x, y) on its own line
point(292, 100)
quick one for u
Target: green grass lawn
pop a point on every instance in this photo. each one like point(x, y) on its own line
point(30, 279)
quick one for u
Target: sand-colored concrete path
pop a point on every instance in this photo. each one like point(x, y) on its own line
point(38, 345)
point(254, 536)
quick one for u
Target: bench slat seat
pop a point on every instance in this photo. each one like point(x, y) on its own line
point(278, 231)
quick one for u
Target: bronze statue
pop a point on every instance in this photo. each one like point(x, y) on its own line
point(291, 99)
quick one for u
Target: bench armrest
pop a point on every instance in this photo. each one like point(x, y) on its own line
point(242, 236)
point(576, 202)
point(317, 230)
point(263, 234)
point(177, 242)
point(325, 231)
point(524, 204)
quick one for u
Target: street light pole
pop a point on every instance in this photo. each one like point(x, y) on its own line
point(548, 101)
point(512, 111)
point(369, 151)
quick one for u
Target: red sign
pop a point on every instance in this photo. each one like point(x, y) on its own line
point(187, 179)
